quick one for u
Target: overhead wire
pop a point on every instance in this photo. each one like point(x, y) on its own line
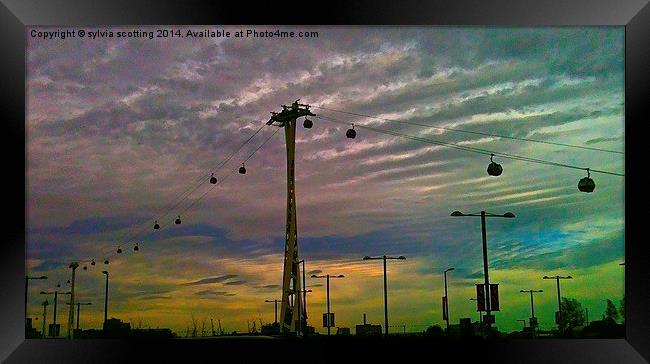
point(472, 132)
point(469, 149)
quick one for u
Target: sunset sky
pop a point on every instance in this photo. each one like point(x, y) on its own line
point(118, 128)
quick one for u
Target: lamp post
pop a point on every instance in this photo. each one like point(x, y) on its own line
point(446, 308)
point(524, 322)
point(79, 309)
point(559, 301)
point(327, 276)
point(533, 321)
point(73, 266)
point(56, 295)
point(27, 278)
point(384, 258)
point(106, 299)
point(45, 303)
point(302, 313)
point(483, 215)
point(276, 309)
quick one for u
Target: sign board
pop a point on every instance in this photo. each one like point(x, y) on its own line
point(331, 320)
point(494, 297)
point(488, 319)
point(480, 297)
point(445, 314)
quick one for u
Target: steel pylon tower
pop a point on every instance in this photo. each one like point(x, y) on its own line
point(291, 278)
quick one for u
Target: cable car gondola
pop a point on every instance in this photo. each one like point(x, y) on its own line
point(351, 133)
point(587, 184)
point(178, 220)
point(156, 226)
point(307, 124)
point(213, 179)
point(242, 169)
point(494, 169)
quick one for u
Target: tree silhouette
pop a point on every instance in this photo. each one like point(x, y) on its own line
point(622, 309)
point(572, 314)
point(611, 312)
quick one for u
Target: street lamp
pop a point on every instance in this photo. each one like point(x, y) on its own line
point(56, 295)
point(483, 215)
point(73, 266)
point(524, 322)
point(276, 309)
point(106, 300)
point(533, 320)
point(559, 302)
point(79, 309)
point(384, 258)
point(327, 276)
point(302, 313)
point(446, 308)
point(45, 303)
point(27, 278)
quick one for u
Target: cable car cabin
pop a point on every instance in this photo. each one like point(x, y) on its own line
point(586, 185)
point(178, 221)
point(494, 169)
point(307, 124)
point(242, 169)
point(156, 226)
point(351, 133)
point(213, 179)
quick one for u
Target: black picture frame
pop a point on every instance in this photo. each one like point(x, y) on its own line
point(15, 15)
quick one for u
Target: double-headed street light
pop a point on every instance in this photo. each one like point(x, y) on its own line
point(276, 308)
point(533, 320)
point(559, 318)
point(327, 276)
point(56, 295)
point(384, 258)
point(446, 302)
point(79, 304)
point(27, 278)
point(483, 215)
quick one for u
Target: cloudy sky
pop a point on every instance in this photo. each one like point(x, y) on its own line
point(118, 129)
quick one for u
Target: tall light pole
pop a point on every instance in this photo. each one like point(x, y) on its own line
point(327, 276)
point(73, 266)
point(276, 308)
point(56, 295)
point(45, 303)
point(533, 320)
point(560, 318)
point(446, 308)
point(79, 309)
point(27, 278)
point(106, 300)
point(303, 318)
point(384, 258)
point(483, 215)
